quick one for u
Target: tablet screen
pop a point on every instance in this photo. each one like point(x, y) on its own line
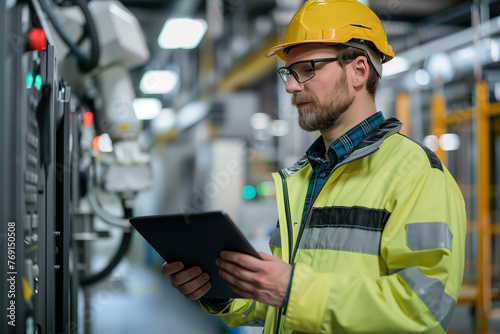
point(196, 239)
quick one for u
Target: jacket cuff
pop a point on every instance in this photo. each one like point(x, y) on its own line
point(214, 306)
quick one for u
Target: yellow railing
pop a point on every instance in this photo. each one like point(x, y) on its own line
point(478, 294)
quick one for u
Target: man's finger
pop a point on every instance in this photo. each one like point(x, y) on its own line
point(199, 292)
point(185, 276)
point(167, 269)
point(245, 261)
point(192, 286)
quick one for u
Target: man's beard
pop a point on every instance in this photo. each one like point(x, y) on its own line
point(317, 117)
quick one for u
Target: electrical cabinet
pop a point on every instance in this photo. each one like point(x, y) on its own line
point(34, 223)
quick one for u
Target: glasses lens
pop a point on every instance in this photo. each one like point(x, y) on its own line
point(284, 74)
point(304, 71)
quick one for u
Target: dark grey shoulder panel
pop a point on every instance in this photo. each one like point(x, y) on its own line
point(433, 159)
point(287, 172)
point(386, 128)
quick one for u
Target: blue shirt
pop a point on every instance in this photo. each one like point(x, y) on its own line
point(337, 152)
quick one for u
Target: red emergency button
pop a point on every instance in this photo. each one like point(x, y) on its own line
point(37, 38)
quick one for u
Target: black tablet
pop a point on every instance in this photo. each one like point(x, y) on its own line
point(196, 239)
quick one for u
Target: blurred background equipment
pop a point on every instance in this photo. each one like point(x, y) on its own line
point(117, 108)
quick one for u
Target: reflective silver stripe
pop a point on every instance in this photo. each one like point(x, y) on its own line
point(362, 152)
point(250, 309)
point(253, 323)
point(275, 240)
point(431, 292)
point(343, 239)
point(422, 236)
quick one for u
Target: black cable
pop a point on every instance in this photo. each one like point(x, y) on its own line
point(86, 63)
point(120, 253)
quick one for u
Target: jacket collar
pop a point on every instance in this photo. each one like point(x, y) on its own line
point(370, 144)
point(385, 129)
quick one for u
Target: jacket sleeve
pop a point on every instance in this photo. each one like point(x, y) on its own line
point(239, 311)
point(421, 260)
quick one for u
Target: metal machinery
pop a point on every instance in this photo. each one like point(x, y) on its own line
point(52, 164)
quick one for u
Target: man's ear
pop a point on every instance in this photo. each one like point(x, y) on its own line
point(361, 70)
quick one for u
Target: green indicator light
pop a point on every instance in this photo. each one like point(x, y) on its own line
point(29, 80)
point(248, 192)
point(263, 188)
point(38, 82)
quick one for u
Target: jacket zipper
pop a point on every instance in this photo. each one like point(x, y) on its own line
point(308, 218)
point(308, 215)
point(288, 217)
point(290, 236)
point(309, 210)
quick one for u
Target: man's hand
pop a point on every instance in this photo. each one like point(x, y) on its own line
point(192, 283)
point(263, 280)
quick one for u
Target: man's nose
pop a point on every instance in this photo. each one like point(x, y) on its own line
point(294, 86)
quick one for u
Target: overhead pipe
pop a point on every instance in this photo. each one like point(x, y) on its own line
point(458, 14)
point(465, 37)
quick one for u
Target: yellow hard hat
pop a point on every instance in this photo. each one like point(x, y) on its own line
point(337, 21)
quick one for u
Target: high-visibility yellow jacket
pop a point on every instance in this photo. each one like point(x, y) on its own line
point(381, 249)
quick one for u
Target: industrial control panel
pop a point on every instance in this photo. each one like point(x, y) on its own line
point(57, 97)
point(34, 125)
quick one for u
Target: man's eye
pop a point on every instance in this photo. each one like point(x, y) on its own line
point(306, 70)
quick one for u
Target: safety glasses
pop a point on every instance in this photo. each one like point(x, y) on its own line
point(303, 70)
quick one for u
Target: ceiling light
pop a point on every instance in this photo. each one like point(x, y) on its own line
point(440, 67)
point(182, 33)
point(449, 142)
point(158, 82)
point(190, 114)
point(146, 108)
point(260, 121)
point(422, 77)
point(431, 142)
point(164, 121)
point(279, 127)
point(494, 50)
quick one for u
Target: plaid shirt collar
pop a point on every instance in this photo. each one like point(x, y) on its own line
point(344, 145)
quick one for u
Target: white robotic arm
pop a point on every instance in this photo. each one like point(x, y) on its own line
point(122, 47)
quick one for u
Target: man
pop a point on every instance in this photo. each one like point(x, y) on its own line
point(371, 231)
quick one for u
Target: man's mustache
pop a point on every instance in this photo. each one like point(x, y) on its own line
point(301, 98)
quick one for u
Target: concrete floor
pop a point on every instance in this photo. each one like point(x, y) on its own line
point(144, 302)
